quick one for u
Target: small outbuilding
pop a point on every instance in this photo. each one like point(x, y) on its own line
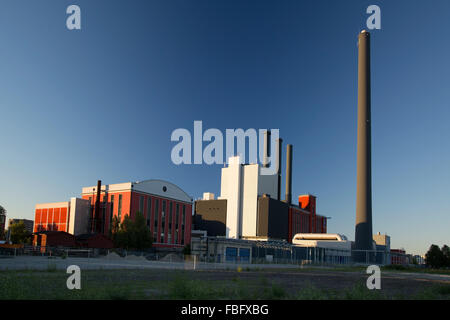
point(94, 240)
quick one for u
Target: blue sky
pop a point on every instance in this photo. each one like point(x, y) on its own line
point(102, 102)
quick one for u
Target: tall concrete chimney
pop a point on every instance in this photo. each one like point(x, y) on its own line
point(363, 228)
point(266, 150)
point(288, 198)
point(279, 152)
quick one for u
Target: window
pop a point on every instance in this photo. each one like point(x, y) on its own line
point(182, 234)
point(155, 219)
point(177, 216)
point(163, 219)
point(141, 204)
point(170, 216)
point(111, 212)
point(119, 214)
point(184, 215)
point(149, 210)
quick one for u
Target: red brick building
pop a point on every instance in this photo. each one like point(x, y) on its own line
point(398, 256)
point(165, 206)
point(304, 218)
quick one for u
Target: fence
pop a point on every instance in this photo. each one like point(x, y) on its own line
point(257, 253)
point(49, 251)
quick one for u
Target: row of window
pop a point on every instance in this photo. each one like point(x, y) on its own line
point(149, 213)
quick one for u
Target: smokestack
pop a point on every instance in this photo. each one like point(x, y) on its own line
point(266, 148)
point(279, 144)
point(288, 198)
point(363, 228)
point(97, 207)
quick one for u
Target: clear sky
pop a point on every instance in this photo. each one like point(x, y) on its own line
point(102, 102)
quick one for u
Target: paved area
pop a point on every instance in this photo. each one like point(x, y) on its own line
point(133, 262)
point(130, 262)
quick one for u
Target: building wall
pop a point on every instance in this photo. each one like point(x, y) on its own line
point(52, 217)
point(250, 188)
point(241, 185)
point(301, 221)
point(79, 217)
point(398, 256)
point(168, 228)
point(382, 240)
point(273, 219)
point(110, 201)
point(231, 191)
point(211, 216)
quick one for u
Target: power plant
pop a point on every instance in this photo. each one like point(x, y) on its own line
point(248, 217)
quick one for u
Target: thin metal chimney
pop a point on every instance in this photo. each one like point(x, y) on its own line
point(267, 150)
point(363, 228)
point(279, 148)
point(288, 198)
point(97, 208)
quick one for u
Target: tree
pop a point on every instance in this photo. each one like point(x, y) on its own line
point(434, 257)
point(19, 233)
point(2, 221)
point(187, 249)
point(143, 236)
point(131, 234)
point(114, 228)
point(446, 253)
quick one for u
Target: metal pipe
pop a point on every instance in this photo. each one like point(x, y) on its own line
point(266, 148)
point(279, 154)
point(97, 207)
point(288, 198)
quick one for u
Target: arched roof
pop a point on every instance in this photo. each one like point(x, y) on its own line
point(161, 188)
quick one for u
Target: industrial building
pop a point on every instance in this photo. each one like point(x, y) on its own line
point(166, 207)
point(250, 205)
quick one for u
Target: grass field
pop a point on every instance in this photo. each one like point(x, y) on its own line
point(188, 284)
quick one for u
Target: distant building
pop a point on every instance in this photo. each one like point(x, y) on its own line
point(28, 226)
point(419, 259)
point(398, 256)
point(383, 248)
